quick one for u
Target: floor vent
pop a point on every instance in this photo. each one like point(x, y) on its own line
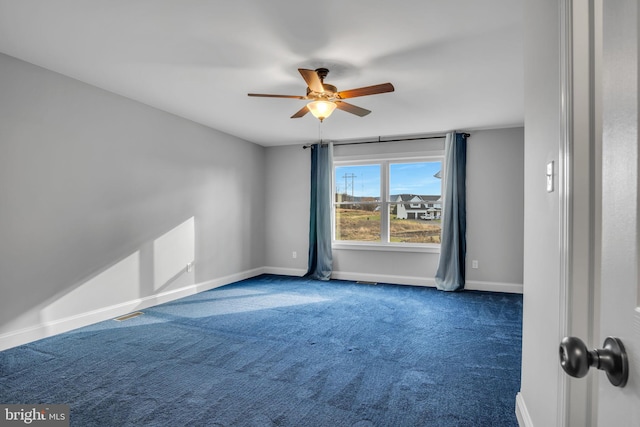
point(128, 316)
point(362, 282)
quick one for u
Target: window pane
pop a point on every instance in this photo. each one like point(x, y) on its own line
point(415, 193)
point(357, 183)
point(357, 197)
point(358, 222)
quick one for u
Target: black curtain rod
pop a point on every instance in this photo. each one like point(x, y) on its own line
point(379, 140)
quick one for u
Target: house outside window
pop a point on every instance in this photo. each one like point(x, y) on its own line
point(388, 202)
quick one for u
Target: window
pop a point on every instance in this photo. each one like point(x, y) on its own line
point(388, 202)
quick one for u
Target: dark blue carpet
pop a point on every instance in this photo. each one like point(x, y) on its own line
point(281, 351)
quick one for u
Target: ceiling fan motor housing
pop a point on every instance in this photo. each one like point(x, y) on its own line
point(322, 73)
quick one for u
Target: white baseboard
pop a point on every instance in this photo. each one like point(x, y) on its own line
point(296, 272)
point(58, 326)
point(384, 278)
point(476, 285)
point(472, 285)
point(226, 280)
point(522, 414)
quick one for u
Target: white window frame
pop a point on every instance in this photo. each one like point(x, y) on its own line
point(385, 203)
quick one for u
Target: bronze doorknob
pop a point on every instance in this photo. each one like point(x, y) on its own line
point(576, 359)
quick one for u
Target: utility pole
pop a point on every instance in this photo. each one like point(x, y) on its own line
point(347, 176)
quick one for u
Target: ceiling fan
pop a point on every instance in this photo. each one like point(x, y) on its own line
point(325, 97)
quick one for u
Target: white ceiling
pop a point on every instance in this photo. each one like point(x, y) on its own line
point(455, 64)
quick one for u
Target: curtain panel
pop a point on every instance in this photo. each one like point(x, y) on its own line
point(320, 255)
point(451, 267)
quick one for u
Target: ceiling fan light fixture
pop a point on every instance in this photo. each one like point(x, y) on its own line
point(321, 109)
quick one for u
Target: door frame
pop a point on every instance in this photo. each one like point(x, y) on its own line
point(564, 189)
point(579, 186)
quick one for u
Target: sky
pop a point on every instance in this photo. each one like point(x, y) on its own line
point(404, 178)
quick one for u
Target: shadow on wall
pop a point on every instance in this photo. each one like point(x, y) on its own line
point(159, 266)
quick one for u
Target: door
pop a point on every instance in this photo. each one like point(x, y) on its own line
point(619, 301)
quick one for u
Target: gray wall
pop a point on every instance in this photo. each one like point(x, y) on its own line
point(495, 215)
point(541, 315)
point(495, 205)
point(99, 195)
point(288, 170)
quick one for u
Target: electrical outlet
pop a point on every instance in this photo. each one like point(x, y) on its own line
point(474, 263)
point(294, 255)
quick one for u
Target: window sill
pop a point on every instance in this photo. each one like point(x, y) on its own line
point(386, 247)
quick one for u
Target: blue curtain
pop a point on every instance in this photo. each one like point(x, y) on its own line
point(453, 247)
point(320, 256)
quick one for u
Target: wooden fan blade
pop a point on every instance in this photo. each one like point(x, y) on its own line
point(363, 91)
point(301, 112)
point(353, 109)
point(277, 96)
point(312, 79)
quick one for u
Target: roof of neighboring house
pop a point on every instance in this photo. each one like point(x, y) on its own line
point(407, 200)
point(410, 197)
